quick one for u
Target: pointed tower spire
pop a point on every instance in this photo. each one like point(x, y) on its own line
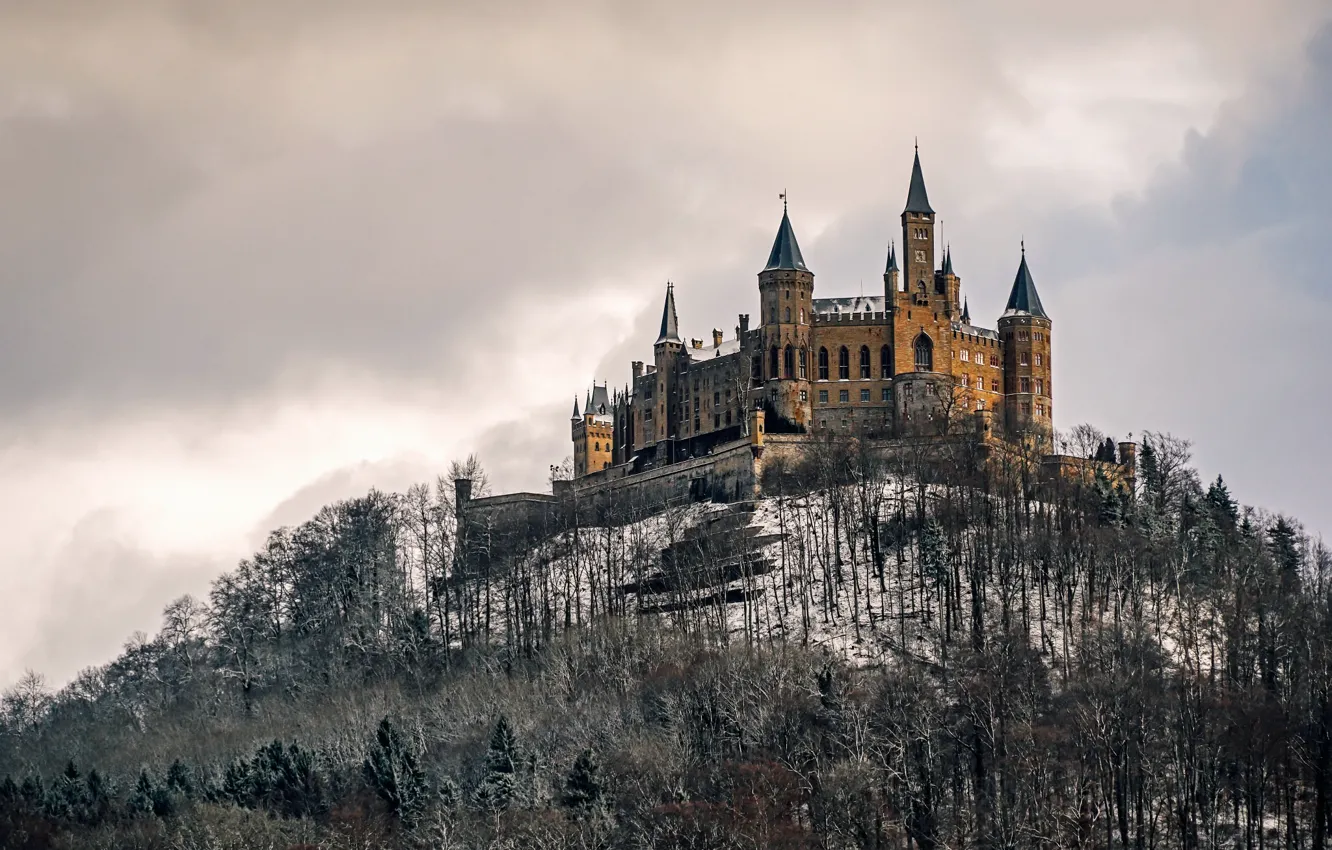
point(670, 325)
point(575, 416)
point(1023, 298)
point(892, 259)
point(785, 253)
point(948, 259)
point(966, 312)
point(918, 200)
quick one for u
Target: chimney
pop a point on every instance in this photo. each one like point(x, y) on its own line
point(696, 343)
point(716, 338)
point(637, 366)
point(744, 323)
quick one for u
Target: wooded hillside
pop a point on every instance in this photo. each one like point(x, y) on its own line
point(904, 654)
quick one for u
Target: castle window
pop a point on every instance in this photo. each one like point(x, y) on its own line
point(772, 314)
point(843, 364)
point(716, 420)
point(924, 354)
point(804, 396)
point(1040, 410)
point(865, 368)
point(772, 363)
point(886, 395)
point(802, 315)
point(789, 362)
point(994, 359)
point(823, 364)
point(885, 363)
point(994, 385)
point(596, 447)
point(1024, 385)
point(1026, 408)
point(864, 396)
point(1024, 358)
point(716, 399)
point(966, 356)
point(843, 396)
point(756, 371)
point(1024, 336)
point(1040, 360)
point(788, 310)
point(728, 417)
point(980, 404)
point(823, 396)
point(804, 368)
point(1040, 387)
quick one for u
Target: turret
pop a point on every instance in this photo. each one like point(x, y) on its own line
point(918, 241)
point(786, 297)
point(892, 279)
point(1024, 329)
point(669, 356)
point(947, 286)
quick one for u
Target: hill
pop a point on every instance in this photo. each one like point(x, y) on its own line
point(876, 654)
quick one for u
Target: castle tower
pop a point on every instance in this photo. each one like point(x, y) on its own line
point(669, 356)
point(1024, 330)
point(892, 280)
point(593, 432)
point(918, 242)
point(786, 299)
point(948, 286)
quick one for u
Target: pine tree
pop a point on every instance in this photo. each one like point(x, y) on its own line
point(1284, 544)
point(582, 788)
point(180, 779)
point(393, 771)
point(499, 788)
point(149, 798)
point(1223, 508)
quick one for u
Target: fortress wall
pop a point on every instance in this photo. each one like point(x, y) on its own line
point(728, 474)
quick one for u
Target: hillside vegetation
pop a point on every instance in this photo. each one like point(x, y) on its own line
point(879, 654)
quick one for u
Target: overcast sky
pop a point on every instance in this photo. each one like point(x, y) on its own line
point(257, 256)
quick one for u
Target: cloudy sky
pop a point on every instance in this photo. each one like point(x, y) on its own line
point(256, 256)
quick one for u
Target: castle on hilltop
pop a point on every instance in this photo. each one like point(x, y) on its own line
point(909, 362)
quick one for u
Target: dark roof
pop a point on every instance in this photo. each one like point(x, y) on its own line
point(785, 250)
point(1023, 298)
point(575, 413)
point(599, 404)
point(948, 260)
point(918, 201)
point(892, 259)
point(670, 325)
point(966, 312)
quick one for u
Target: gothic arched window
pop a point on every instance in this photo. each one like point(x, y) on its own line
point(865, 368)
point(823, 364)
point(804, 369)
point(788, 362)
point(924, 354)
point(843, 364)
point(788, 314)
point(772, 363)
point(885, 363)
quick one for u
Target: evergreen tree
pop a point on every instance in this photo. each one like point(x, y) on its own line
point(933, 550)
point(1283, 542)
point(149, 798)
point(582, 788)
point(180, 780)
point(499, 788)
point(1223, 508)
point(393, 771)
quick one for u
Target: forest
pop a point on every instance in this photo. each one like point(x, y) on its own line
point(934, 649)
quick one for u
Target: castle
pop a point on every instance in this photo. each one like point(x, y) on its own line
point(906, 363)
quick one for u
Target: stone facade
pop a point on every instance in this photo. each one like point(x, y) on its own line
point(909, 362)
